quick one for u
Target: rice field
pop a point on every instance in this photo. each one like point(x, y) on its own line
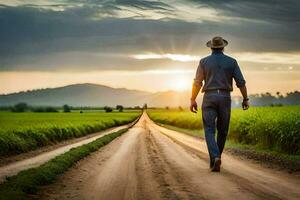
point(22, 132)
point(272, 128)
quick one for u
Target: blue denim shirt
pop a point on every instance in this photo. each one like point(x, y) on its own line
point(217, 71)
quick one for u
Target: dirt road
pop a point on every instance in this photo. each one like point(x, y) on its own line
point(151, 162)
point(11, 166)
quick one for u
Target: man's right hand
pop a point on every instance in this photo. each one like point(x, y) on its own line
point(245, 104)
point(193, 106)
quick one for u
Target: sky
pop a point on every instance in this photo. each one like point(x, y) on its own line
point(145, 44)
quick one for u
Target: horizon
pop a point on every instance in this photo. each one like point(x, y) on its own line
point(153, 92)
point(145, 45)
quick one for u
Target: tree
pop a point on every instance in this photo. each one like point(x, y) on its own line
point(66, 108)
point(145, 106)
point(50, 109)
point(120, 108)
point(180, 108)
point(107, 109)
point(278, 94)
point(44, 109)
point(20, 107)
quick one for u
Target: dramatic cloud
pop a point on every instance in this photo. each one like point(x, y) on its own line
point(273, 11)
point(272, 58)
point(101, 35)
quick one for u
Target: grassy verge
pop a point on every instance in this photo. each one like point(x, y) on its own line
point(272, 158)
point(27, 182)
point(199, 133)
point(271, 128)
point(231, 144)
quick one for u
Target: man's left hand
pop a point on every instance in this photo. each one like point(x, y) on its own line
point(245, 104)
point(193, 106)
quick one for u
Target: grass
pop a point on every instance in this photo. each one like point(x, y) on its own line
point(230, 144)
point(27, 182)
point(22, 132)
point(181, 119)
point(192, 132)
point(260, 151)
point(275, 129)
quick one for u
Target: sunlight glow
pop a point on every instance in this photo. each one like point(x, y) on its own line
point(181, 84)
point(153, 81)
point(175, 57)
point(275, 58)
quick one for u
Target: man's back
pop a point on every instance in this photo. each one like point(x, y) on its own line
point(218, 70)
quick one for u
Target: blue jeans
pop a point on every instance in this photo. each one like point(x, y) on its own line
point(216, 108)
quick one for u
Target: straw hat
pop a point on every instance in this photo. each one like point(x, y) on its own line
point(217, 42)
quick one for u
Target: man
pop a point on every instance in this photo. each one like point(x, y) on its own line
point(217, 72)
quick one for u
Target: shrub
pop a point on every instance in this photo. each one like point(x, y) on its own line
point(66, 108)
point(44, 109)
point(20, 107)
point(108, 109)
point(120, 108)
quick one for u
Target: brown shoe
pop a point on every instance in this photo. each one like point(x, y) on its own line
point(217, 165)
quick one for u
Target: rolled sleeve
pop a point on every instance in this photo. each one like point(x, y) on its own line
point(199, 75)
point(238, 76)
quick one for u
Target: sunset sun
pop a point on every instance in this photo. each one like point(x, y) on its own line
point(181, 84)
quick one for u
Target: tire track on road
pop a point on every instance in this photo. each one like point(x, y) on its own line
point(146, 164)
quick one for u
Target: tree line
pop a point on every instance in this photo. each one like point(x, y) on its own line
point(24, 107)
point(267, 99)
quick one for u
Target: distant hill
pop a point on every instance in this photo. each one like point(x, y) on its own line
point(170, 99)
point(99, 95)
point(94, 95)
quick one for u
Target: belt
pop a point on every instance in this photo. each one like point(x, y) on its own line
point(217, 91)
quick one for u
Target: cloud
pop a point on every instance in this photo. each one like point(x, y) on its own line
point(142, 4)
point(271, 58)
point(101, 35)
point(262, 10)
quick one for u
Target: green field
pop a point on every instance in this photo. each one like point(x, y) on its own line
point(28, 182)
point(272, 128)
point(22, 132)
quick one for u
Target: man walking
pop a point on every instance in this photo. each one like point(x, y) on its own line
point(217, 72)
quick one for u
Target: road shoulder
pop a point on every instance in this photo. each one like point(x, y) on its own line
point(269, 159)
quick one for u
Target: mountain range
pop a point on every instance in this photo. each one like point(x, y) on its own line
point(94, 95)
point(88, 94)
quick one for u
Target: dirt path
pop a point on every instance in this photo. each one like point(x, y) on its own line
point(151, 162)
point(12, 165)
